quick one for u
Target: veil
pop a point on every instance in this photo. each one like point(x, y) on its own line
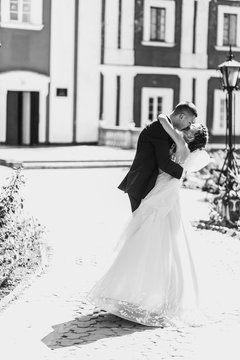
point(196, 160)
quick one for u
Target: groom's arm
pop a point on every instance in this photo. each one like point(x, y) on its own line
point(160, 141)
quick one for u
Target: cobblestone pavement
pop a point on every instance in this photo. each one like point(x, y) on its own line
point(52, 320)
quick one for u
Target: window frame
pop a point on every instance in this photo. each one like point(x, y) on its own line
point(167, 95)
point(20, 12)
point(36, 16)
point(161, 34)
point(226, 9)
point(218, 130)
point(229, 29)
point(169, 6)
point(153, 106)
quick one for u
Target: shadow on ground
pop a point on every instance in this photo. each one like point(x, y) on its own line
point(89, 328)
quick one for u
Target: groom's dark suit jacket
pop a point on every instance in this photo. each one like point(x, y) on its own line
point(153, 153)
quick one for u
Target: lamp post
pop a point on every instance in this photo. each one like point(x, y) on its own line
point(228, 203)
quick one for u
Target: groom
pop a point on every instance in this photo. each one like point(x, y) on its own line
point(153, 153)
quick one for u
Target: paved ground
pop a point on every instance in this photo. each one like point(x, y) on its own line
point(51, 319)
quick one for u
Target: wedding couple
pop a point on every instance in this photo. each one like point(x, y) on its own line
point(152, 279)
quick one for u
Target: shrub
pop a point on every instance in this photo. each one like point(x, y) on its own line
point(223, 193)
point(19, 234)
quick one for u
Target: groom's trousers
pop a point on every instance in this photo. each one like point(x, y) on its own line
point(134, 203)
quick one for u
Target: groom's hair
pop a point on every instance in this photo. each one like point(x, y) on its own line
point(185, 106)
point(200, 138)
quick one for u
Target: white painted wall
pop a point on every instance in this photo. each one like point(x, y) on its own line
point(201, 95)
point(3, 114)
point(62, 70)
point(88, 74)
point(186, 81)
point(202, 34)
point(124, 55)
point(109, 98)
point(187, 33)
point(126, 100)
point(26, 126)
point(187, 57)
point(127, 27)
point(111, 25)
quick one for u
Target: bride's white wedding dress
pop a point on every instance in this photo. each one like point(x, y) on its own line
point(152, 279)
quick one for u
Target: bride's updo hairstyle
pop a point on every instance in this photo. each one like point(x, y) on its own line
point(200, 138)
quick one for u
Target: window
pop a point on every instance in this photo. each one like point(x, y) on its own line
point(230, 29)
point(219, 118)
point(154, 107)
point(220, 114)
point(159, 23)
point(222, 117)
point(159, 105)
point(22, 14)
point(155, 101)
point(20, 10)
point(151, 109)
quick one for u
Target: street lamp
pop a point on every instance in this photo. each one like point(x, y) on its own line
point(228, 203)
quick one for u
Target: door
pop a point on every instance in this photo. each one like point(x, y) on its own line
point(154, 102)
point(22, 118)
point(14, 118)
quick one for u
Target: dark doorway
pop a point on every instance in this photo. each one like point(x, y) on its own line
point(22, 118)
point(34, 116)
point(14, 117)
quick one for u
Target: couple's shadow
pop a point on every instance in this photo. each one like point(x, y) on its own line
point(89, 328)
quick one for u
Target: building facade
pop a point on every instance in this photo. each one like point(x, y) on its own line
point(157, 53)
point(80, 71)
point(49, 71)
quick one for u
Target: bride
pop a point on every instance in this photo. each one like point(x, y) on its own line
point(152, 280)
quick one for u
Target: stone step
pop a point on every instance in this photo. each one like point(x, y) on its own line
point(67, 164)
